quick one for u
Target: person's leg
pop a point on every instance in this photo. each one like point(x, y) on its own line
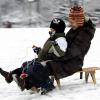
point(17, 71)
point(8, 75)
point(39, 76)
point(47, 86)
point(44, 51)
point(14, 75)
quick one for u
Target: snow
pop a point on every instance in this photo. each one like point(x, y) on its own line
point(38, 13)
point(16, 47)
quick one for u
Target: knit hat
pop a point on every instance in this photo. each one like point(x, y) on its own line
point(77, 14)
point(58, 25)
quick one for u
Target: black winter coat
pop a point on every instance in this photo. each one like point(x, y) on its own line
point(79, 42)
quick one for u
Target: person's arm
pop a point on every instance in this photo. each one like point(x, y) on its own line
point(80, 44)
point(62, 43)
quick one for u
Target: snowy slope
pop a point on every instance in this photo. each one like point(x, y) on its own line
point(15, 48)
point(38, 13)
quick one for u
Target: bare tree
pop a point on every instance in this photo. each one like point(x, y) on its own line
point(38, 6)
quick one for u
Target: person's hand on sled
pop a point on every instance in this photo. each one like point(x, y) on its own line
point(36, 49)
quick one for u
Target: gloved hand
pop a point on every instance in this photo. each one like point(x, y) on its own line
point(51, 33)
point(36, 49)
point(23, 76)
point(86, 18)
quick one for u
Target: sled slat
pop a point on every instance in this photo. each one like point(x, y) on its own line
point(87, 71)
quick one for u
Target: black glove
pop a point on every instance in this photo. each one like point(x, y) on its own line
point(51, 33)
point(36, 49)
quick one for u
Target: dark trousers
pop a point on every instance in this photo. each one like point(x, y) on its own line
point(38, 76)
point(17, 71)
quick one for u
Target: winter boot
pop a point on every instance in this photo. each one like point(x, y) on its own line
point(19, 81)
point(47, 87)
point(8, 76)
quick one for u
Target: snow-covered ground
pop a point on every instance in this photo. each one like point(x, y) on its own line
point(16, 47)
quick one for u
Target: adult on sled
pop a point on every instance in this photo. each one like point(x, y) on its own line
point(79, 40)
point(33, 73)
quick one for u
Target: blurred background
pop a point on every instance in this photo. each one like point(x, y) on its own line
point(39, 13)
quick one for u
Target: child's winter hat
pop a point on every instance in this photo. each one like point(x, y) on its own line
point(77, 14)
point(58, 25)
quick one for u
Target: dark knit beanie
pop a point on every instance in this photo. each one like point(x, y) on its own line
point(77, 14)
point(58, 25)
